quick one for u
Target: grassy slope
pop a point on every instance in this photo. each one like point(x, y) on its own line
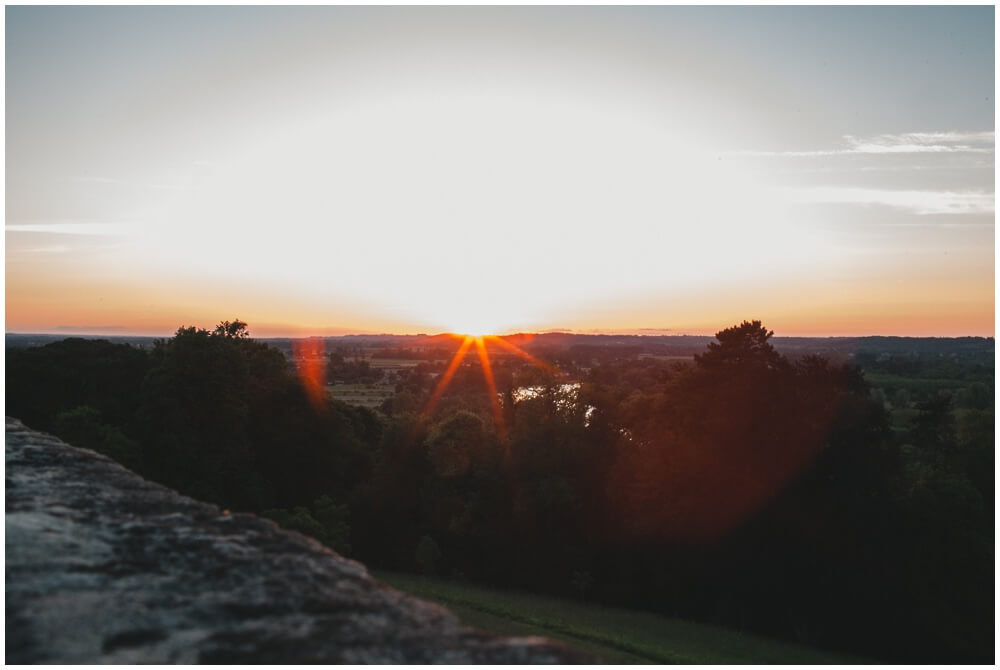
point(615, 635)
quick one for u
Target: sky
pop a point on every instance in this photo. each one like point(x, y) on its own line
point(330, 170)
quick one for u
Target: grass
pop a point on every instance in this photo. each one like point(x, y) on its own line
point(614, 635)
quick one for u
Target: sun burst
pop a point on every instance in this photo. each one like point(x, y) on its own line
point(468, 340)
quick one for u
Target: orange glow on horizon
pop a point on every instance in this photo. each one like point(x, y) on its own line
point(834, 307)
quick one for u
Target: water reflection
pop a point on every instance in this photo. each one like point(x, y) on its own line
point(566, 393)
point(567, 397)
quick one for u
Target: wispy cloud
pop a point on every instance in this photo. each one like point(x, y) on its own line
point(71, 228)
point(48, 249)
point(919, 143)
point(951, 142)
point(919, 202)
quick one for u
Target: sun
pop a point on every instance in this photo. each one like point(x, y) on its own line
point(468, 341)
point(474, 328)
point(475, 334)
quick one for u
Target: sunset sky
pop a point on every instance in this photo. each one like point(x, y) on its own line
point(326, 170)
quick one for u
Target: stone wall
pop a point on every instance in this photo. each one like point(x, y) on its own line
point(103, 566)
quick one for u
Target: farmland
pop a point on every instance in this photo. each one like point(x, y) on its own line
point(361, 395)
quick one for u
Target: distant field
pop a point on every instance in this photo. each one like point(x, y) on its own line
point(615, 635)
point(381, 363)
point(362, 395)
point(665, 357)
point(887, 380)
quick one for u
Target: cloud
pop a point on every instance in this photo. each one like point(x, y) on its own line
point(49, 249)
point(926, 152)
point(71, 228)
point(916, 143)
point(919, 202)
point(950, 142)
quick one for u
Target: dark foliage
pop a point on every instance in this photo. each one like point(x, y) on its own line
point(215, 415)
point(350, 371)
point(71, 373)
point(744, 487)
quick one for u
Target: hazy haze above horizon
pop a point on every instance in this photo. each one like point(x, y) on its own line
point(322, 170)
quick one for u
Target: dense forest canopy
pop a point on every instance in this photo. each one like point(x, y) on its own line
point(770, 492)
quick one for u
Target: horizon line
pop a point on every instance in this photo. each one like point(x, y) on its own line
point(587, 333)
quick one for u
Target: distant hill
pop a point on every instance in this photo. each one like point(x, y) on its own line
point(578, 343)
point(22, 340)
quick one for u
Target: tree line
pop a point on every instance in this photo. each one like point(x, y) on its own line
point(744, 489)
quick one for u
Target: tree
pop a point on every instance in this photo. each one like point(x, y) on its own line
point(456, 445)
point(427, 554)
point(58, 377)
point(739, 346)
point(83, 426)
point(934, 428)
point(194, 413)
point(234, 330)
point(325, 521)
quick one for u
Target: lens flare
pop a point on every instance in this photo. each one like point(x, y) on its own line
point(439, 390)
point(484, 360)
point(310, 364)
point(513, 348)
point(480, 341)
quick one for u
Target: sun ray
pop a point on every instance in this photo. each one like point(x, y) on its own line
point(445, 379)
point(524, 354)
point(484, 359)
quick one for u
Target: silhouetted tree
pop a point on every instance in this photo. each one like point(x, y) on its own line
point(235, 329)
point(743, 345)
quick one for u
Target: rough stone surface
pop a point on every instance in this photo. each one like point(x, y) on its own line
point(103, 566)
